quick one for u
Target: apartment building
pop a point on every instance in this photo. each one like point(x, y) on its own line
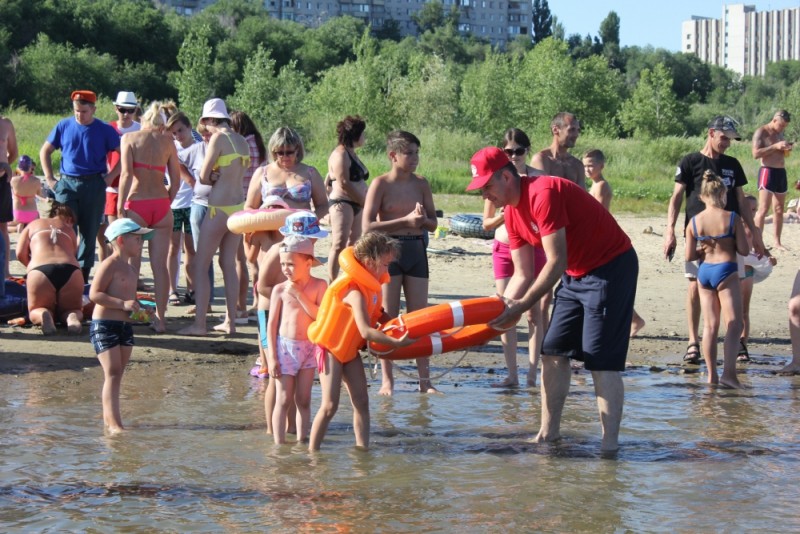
point(497, 21)
point(744, 40)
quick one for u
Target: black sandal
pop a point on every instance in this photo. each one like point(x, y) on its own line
point(692, 354)
point(188, 297)
point(174, 299)
point(743, 355)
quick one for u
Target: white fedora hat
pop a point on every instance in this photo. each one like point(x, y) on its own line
point(126, 99)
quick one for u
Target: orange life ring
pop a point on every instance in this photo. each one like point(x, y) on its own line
point(262, 220)
point(334, 328)
point(442, 328)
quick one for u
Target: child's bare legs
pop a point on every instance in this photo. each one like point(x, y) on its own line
point(284, 390)
point(730, 299)
point(244, 281)
point(711, 310)
point(302, 398)
point(173, 263)
point(747, 293)
point(509, 340)
point(113, 361)
point(269, 408)
point(356, 382)
point(330, 380)
point(794, 327)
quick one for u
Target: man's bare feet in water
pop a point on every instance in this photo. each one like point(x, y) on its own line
point(387, 389)
point(507, 383)
point(192, 331)
point(542, 438)
point(731, 383)
point(637, 323)
point(791, 368)
point(74, 326)
point(48, 325)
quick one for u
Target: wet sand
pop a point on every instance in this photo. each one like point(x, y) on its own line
point(460, 268)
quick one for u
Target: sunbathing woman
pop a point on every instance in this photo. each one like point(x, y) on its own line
point(47, 247)
point(143, 197)
point(226, 161)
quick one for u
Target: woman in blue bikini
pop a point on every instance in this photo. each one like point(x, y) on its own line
point(714, 237)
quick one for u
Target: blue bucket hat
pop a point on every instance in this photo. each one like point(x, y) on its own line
point(124, 226)
point(303, 223)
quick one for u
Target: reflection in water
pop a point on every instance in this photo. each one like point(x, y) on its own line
point(692, 457)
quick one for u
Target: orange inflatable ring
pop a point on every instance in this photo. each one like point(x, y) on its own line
point(262, 220)
point(334, 328)
point(442, 328)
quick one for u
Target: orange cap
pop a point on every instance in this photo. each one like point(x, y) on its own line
point(84, 94)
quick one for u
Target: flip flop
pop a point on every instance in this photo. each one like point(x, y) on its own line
point(692, 354)
point(743, 355)
point(174, 299)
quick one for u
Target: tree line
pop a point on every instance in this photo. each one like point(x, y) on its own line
point(281, 72)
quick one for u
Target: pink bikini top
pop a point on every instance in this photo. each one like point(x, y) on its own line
point(159, 168)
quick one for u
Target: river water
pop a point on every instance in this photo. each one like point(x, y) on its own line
point(196, 458)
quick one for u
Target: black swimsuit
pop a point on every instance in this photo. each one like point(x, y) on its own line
point(358, 173)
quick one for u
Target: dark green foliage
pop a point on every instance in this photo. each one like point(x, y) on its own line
point(542, 21)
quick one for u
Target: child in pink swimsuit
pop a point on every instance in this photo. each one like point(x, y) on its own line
point(25, 188)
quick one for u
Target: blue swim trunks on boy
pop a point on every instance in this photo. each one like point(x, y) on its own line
point(105, 334)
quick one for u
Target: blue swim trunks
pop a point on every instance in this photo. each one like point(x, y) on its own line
point(105, 334)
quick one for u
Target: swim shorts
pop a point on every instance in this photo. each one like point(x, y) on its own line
point(294, 355)
point(503, 266)
point(773, 180)
point(413, 260)
point(105, 334)
point(180, 220)
point(591, 319)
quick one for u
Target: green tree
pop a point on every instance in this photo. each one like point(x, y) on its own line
point(653, 110)
point(427, 97)
point(542, 21)
point(271, 99)
point(609, 29)
point(486, 95)
point(193, 81)
point(50, 71)
point(432, 16)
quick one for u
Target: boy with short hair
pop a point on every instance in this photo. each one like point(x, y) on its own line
point(292, 357)
point(114, 293)
point(594, 161)
point(400, 203)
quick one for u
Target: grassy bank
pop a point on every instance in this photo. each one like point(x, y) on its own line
point(640, 171)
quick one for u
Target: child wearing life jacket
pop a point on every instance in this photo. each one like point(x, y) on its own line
point(349, 309)
point(25, 188)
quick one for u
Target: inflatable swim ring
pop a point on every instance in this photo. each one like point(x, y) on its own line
point(442, 328)
point(262, 220)
point(469, 226)
point(335, 329)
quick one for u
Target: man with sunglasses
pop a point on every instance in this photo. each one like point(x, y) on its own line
point(556, 160)
point(126, 106)
point(84, 143)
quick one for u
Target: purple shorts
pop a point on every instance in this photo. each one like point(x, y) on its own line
point(504, 267)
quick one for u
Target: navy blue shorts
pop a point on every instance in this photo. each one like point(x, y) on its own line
point(591, 318)
point(105, 334)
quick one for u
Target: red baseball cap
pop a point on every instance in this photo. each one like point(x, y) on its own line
point(84, 94)
point(485, 163)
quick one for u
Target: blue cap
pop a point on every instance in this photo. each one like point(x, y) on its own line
point(303, 223)
point(124, 226)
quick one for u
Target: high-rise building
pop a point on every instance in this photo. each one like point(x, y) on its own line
point(744, 40)
point(497, 21)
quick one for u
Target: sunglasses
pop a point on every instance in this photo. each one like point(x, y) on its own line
point(514, 151)
point(129, 111)
point(284, 153)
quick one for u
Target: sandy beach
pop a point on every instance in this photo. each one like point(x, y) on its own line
point(460, 268)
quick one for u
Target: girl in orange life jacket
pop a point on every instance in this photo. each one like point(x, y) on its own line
point(374, 251)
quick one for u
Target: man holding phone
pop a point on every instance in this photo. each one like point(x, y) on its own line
point(771, 148)
point(688, 181)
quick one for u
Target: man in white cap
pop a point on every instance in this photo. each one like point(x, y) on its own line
point(125, 106)
point(688, 182)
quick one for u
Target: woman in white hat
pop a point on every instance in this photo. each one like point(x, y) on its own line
point(143, 197)
point(227, 159)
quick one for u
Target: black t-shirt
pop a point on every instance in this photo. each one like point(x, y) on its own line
point(690, 173)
